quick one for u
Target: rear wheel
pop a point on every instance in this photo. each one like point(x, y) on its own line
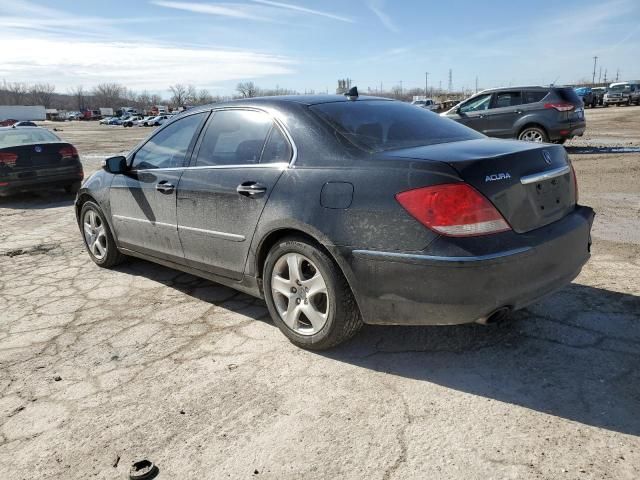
point(97, 236)
point(308, 297)
point(533, 134)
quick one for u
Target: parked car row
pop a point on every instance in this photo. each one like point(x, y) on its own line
point(137, 120)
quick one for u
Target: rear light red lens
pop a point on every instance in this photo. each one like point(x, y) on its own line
point(4, 184)
point(68, 152)
point(560, 106)
point(453, 209)
point(8, 158)
point(575, 181)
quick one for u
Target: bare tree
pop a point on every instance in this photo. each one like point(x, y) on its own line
point(107, 94)
point(203, 97)
point(178, 94)
point(17, 93)
point(247, 89)
point(192, 95)
point(155, 99)
point(79, 95)
point(42, 94)
point(144, 100)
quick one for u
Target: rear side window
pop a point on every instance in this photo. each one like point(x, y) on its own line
point(507, 99)
point(568, 95)
point(234, 137)
point(277, 149)
point(533, 96)
point(376, 125)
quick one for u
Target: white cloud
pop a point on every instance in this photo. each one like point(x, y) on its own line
point(224, 10)
point(310, 11)
point(377, 6)
point(135, 65)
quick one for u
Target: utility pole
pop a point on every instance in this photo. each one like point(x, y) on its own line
point(450, 80)
point(401, 90)
point(426, 84)
point(476, 84)
point(600, 75)
point(617, 74)
point(605, 75)
point(595, 61)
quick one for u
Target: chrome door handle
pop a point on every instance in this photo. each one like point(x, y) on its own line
point(251, 189)
point(165, 187)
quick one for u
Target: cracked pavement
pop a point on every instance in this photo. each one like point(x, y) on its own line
point(100, 368)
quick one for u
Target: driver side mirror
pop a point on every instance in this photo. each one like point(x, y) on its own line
point(115, 165)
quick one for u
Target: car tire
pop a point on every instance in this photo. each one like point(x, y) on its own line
point(73, 187)
point(97, 237)
point(533, 134)
point(294, 267)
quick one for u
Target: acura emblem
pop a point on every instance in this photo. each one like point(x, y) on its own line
point(547, 157)
point(38, 149)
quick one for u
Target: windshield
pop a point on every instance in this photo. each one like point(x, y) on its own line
point(618, 88)
point(24, 136)
point(378, 125)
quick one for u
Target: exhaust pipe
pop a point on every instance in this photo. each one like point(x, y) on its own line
point(494, 317)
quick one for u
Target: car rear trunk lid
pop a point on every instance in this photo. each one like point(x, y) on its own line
point(530, 184)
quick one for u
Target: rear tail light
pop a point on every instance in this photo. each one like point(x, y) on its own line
point(8, 158)
point(560, 106)
point(453, 209)
point(68, 152)
point(575, 181)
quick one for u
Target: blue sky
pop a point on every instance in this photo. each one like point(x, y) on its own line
point(309, 44)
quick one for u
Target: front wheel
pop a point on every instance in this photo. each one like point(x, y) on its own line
point(533, 134)
point(97, 236)
point(308, 297)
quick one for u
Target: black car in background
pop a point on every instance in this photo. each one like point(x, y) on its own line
point(34, 158)
point(340, 211)
point(537, 114)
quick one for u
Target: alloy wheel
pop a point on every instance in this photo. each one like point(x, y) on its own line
point(531, 136)
point(94, 234)
point(300, 294)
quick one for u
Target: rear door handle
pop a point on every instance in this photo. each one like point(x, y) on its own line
point(519, 112)
point(251, 189)
point(165, 187)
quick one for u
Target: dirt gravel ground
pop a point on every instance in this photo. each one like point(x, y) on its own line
point(100, 368)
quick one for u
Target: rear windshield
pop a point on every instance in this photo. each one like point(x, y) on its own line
point(568, 95)
point(25, 136)
point(378, 125)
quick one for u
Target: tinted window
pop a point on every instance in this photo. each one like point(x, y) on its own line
point(568, 95)
point(168, 148)
point(18, 136)
point(533, 96)
point(234, 137)
point(476, 104)
point(277, 148)
point(384, 125)
point(507, 99)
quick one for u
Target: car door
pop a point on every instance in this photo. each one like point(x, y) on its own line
point(143, 201)
point(503, 114)
point(473, 112)
point(237, 162)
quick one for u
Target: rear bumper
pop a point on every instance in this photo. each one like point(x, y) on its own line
point(8, 185)
point(568, 130)
point(415, 289)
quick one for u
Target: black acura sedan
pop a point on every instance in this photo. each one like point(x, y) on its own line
point(33, 158)
point(341, 211)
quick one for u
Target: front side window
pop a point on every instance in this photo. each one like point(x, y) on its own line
point(169, 147)
point(476, 104)
point(507, 99)
point(234, 137)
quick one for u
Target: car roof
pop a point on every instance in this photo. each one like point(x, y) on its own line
point(288, 99)
point(517, 88)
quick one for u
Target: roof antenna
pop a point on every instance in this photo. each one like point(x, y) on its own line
point(352, 94)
